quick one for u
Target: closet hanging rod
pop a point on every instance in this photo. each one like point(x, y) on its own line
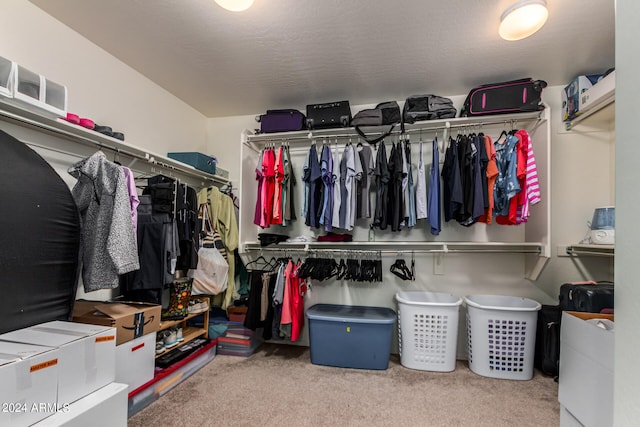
point(442, 124)
point(443, 250)
point(55, 127)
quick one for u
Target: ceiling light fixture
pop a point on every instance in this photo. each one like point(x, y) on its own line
point(235, 5)
point(522, 19)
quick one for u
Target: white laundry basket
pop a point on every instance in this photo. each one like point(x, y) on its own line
point(428, 330)
point(501, 335)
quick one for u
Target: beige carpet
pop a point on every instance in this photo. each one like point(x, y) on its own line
point(278, 386)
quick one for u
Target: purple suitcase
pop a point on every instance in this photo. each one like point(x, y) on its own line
point(282, 121)
point(516, 96)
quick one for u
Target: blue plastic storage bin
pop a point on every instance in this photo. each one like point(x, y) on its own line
point(197, 160)
point(350, 336)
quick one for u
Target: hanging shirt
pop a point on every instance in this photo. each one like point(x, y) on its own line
point(355, 187)
point(315, 189)
point(347, 173)
point(290, 208)
point(396, 204)
point(257, 217)
point(412, 197)
point(306, 178)
point(452, 193)
point(421, 188)
point(405, 184)
point(434, 191)
point(492, 174)
point(268, 187)
point(286, 216)
point(134, 201)
point(532, 184)
point(326, 168)
point(507, 185)
point(337, 192)
point(368, 166)
point(278, 172)
point(382, 177)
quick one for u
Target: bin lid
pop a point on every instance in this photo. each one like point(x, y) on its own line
point(351, 313)
point(428, 298)
point(502, 302)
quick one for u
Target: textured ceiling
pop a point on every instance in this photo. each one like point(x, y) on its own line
point(289, 53)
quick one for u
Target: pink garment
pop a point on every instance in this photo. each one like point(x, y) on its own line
point(134, 201)
point(285, 318)
point(278, 171)
point(298, 289)
point(532, 195)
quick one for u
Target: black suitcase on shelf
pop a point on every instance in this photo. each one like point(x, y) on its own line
point(590, 297)
point(547, 350)
point(328, 115)
point(515, 96)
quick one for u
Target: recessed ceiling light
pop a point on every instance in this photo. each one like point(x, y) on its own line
point(522, 19)
point(235, 5)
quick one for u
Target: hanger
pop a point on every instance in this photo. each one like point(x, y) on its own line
point(116, 157)
point(400, 269)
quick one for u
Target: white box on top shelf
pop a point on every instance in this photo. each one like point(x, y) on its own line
point(7, 70)
point(599, 93)
point(35, 90)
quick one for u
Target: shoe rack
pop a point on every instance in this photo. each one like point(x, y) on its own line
point(189, 333)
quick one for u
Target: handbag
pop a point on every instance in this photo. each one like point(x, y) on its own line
point(210, 277)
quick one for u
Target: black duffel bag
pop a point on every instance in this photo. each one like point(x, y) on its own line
point(385, 113)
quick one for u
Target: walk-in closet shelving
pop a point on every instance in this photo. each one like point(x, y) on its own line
point(591, 250)
point(531, 240)
point(76, 141)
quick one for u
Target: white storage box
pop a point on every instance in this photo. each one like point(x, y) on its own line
point(28, 383)
point(585, 382)
point(567, 419)
point(86, 357)
point(35, 90)
point(135, 361)
point(106, 407)
point(428, 330)
point(6, 77)
point(501, 335)
point(598, 94)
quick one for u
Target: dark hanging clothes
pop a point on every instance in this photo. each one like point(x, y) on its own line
point(479, 185)
point(396, 204)
point(315, 189)
point(382, 178)
point(290, 211)
point(465, 159)
point(452, 186)
point(187, 223)
point(484, 162)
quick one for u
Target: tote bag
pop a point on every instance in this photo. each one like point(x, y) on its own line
point(211, 275)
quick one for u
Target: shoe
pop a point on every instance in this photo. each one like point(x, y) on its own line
point(160, 343)
point(171, 339)
point(179, 336)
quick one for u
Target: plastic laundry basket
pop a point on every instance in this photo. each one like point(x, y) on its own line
point(501, 335)
point(428, 330)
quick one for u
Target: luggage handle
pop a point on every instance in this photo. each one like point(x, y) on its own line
point(374, 141)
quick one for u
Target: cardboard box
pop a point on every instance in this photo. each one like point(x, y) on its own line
point(585, 384)
point(131, 320)
point(572, 92)
point(86, 355)
point(29, 382)
point(135, 361)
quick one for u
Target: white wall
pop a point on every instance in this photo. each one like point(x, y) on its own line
point(626, 372)
point(99, 86)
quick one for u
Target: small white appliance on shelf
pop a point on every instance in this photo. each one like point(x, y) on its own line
point(603, 226)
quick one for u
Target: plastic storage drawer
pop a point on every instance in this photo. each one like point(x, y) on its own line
point(501, 333)
point(350, 336)
point(428, 330)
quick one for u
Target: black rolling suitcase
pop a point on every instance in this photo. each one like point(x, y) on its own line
point(328, 115)
point(547, 350)
point(515, 96)
point(590, 297)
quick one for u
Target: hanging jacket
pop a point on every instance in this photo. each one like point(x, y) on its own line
point(108, 244)
point(382, 177)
